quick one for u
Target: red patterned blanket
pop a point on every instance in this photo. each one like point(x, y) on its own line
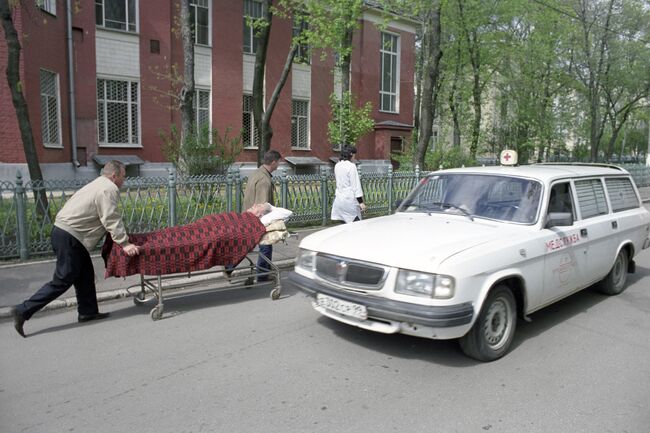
point(219, 239)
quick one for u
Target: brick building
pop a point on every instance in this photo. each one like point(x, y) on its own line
point(119, 107)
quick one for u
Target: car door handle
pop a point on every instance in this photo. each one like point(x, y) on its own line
point(583, 233)
point(614, 224)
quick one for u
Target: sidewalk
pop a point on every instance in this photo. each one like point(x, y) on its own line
point(21, 280)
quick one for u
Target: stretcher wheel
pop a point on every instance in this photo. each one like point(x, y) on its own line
point(139, 299)
point(156, 313)
point(275, 294)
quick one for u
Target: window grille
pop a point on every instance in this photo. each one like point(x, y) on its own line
point(252, 10)
point(303, 54)
point(200, 21)
point(117, 112)
point(300, 124)
point(248, 125)
point(47, 5)
point(50, 111)
point(591, 198)
point(202, 99)
point(116, 14)
point(389, 73)
point(621, 194)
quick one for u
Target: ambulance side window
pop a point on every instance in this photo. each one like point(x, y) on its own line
point(561, 200)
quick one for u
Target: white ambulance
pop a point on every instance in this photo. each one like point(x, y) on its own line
point(472, 249)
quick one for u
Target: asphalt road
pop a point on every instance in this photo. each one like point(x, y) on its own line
point(235, 361)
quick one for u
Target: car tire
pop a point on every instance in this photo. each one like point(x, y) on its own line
point(494, 329)
point(614, 282)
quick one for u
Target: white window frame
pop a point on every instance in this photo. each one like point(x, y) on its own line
point(396, 78)
point(102, 141)
point(57, 95)
point(303, 52)
point(48, 6)
point(252, 131)
point(249, 29)
point(296, 119)
point(197, 108)
point(194, 7)
point(102, 4)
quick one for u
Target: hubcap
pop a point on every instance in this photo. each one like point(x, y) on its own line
point(618, 271)
point(497, 323)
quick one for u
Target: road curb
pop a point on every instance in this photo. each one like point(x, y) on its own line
point(110, 295)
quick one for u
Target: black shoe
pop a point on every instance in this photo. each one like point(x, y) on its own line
point(88, 317)
point(19, 321)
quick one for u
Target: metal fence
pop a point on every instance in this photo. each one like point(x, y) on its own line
point(28, 209)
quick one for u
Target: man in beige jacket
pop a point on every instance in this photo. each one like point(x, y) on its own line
point(79, 225)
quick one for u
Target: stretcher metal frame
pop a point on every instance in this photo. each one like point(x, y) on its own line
point(240, 277)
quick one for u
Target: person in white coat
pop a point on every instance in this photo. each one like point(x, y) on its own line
point(348, 201)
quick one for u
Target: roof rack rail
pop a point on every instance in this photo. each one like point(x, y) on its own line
point(587, 164)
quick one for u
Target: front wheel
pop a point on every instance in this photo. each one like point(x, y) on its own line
point(492, 333)
point(614, 282)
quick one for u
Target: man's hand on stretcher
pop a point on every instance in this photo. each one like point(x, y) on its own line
point(131, 250)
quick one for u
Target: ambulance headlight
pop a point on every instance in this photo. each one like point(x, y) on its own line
point(306, 260)
point(425, 285)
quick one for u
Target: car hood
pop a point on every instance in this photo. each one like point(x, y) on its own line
point(416, 241)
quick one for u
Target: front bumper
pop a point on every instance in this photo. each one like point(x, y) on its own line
point(390, 310)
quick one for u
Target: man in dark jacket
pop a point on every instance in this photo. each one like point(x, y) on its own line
point(260, 189)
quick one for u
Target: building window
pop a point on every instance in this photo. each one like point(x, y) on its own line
point(48, 6)
point(300, 124)
point(116, 14)
point(200, 21)
point(117, 112)
point(50, 109)
point(388, 93)
point(202, 108)
point(250, 135)
point(303, 54)
point(252, 10)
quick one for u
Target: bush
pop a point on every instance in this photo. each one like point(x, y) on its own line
point(204, 152)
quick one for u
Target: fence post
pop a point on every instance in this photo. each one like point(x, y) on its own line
point(171, 194)
point(324, 194)
point(229, 184)
point(238, 183)
point(417, 173)
point(284, 189)
point(389, 191)
point(21, 215)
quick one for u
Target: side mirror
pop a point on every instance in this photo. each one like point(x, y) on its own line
point(559, 219)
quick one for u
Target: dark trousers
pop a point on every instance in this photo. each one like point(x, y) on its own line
point(73, 267)
point(262, 265)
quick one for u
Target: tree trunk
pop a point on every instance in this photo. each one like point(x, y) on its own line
point(432, 54)
point(187, 92)
point(263, 127)
point(22, 113)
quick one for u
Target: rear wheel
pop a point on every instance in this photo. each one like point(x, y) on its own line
point(492, 333)
point(614, 282)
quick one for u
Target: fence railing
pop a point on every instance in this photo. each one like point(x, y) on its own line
point(28, 209)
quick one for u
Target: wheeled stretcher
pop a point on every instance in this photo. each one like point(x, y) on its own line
point(199, 250)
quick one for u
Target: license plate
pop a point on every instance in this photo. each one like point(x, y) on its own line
point(342, 307)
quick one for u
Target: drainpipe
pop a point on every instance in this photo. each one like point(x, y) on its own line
point(71, 85)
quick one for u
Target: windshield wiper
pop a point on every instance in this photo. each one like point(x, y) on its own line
point(443, 205)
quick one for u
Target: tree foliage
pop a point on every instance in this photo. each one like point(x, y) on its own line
point(349, 123)
point(549, 78)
